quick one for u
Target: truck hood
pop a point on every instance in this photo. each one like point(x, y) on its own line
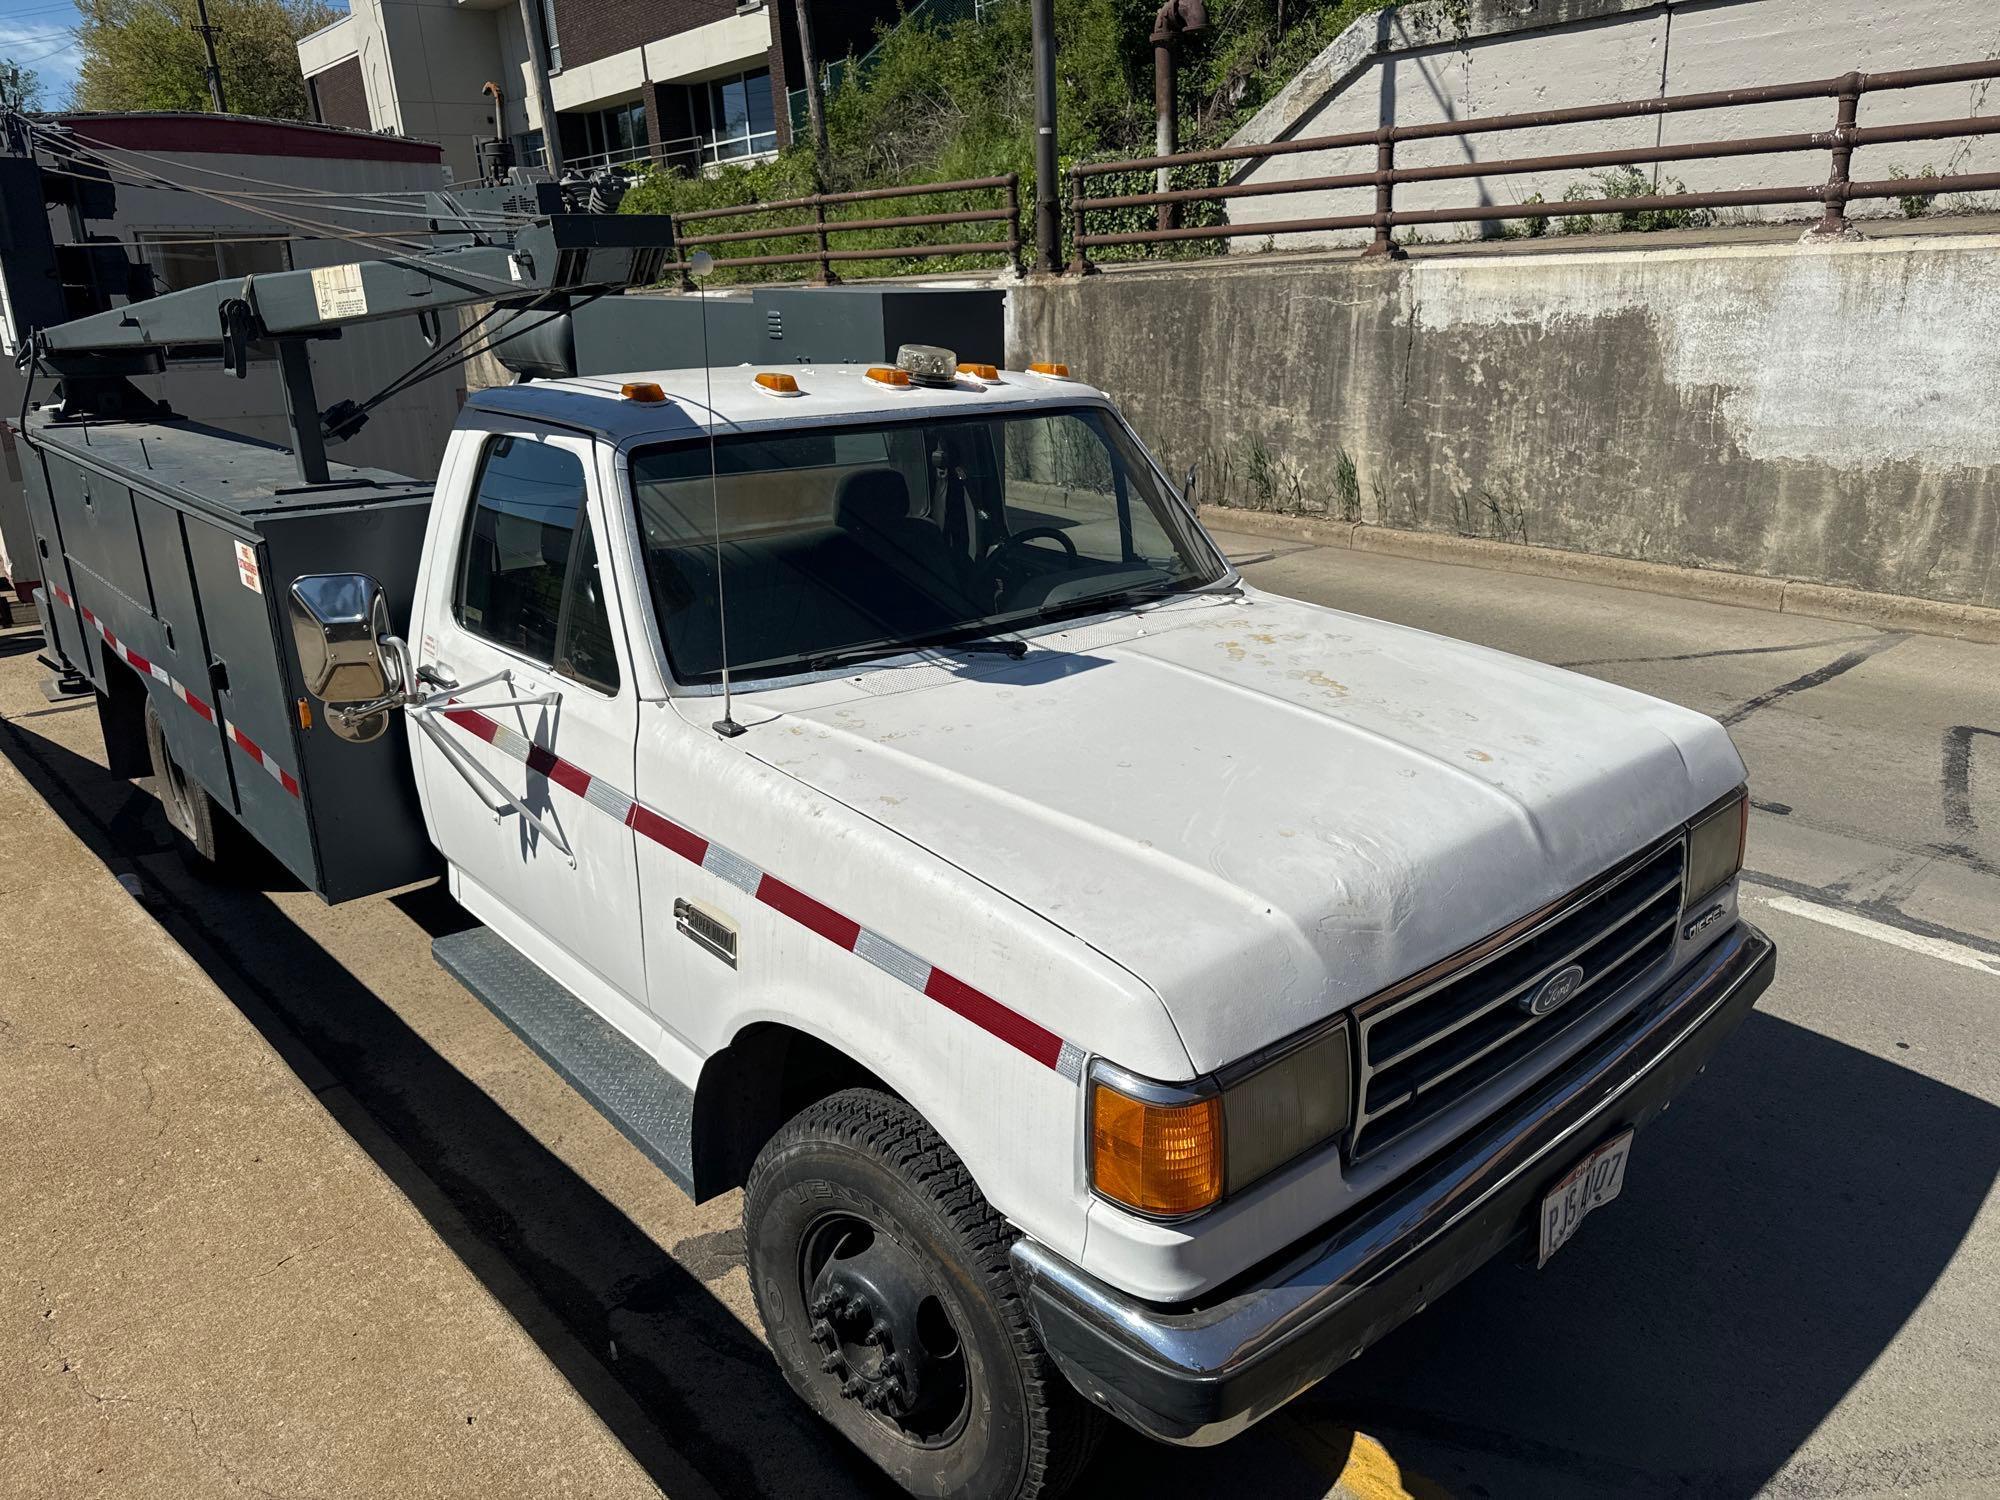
point(1263, 809)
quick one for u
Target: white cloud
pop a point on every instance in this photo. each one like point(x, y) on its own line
point(41, 42)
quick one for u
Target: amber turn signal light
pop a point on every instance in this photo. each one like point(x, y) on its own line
point(1163, 1159)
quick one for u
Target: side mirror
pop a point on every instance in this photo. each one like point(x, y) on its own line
point(1187, 484)
point(339, 623)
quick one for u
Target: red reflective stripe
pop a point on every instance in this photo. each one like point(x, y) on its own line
point(570, 778)
point(642, 820)
point(199, 707)
point(145, 667)
point(288, 781)
point(983, 1011)
point(545, 762)
point(249, 746)
point(473, 722)
point(802, 909)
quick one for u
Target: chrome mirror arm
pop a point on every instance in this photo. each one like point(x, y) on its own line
point(423, 710)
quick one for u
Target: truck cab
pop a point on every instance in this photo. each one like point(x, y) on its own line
point(1118, 990)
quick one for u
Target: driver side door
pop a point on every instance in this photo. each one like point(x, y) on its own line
point(524, 641)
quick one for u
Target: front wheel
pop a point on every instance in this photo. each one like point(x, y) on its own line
point(882, 1277)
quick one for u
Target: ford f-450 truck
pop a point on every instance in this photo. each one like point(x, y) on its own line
point(1115, 988)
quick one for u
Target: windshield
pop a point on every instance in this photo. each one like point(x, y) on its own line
point(841, 542)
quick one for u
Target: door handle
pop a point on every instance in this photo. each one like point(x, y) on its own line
point(432, 677)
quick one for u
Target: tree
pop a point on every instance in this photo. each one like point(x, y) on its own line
point(20, 89)
point(147, 54)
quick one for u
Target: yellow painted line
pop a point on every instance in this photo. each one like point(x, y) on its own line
point(1359, 1466)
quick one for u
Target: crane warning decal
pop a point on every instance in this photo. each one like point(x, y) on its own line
point(338, 292)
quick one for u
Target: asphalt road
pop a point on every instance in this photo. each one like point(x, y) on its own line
point(1798, 1294)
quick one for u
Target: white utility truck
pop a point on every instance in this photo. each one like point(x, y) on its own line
point(1115, 988)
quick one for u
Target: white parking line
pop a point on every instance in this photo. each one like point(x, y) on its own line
point(1882, 932)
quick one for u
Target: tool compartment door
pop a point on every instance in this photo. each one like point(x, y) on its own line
point(246, 681)
point(59, 620)
point(173, 640)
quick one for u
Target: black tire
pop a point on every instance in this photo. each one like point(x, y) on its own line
point(861, 1158)
point(202, 825)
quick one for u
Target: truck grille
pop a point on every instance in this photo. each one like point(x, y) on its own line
point(1465, 1022)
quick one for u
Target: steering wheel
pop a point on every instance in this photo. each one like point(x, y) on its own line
point(988, 571)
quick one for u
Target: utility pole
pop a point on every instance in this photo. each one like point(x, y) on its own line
point(538, 72)
point(1048, 220)
point(815, 103)
point(1176, 19)
point(214, 68)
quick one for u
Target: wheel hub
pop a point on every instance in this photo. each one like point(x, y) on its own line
point(884, 1335)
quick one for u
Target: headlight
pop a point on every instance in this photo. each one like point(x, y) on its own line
point(1170, 1150)
point(1715, 847)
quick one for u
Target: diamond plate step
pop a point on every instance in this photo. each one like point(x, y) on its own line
point(650, 1107)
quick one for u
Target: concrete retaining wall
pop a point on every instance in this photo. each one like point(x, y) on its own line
point(1823, 413)
point(1457, 59)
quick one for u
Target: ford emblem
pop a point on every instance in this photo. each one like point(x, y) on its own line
point(1554, 992)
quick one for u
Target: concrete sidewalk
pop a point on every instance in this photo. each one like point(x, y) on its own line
point(206, 1285)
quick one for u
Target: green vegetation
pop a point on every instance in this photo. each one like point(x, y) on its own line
point(1915, 205)
point(147, 54)
point(956, 102)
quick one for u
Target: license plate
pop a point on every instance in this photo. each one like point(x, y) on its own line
point(1591, 1183)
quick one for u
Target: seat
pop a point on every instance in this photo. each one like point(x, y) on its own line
point(872, 506)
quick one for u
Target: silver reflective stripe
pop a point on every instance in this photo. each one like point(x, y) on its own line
point(733, 868)
point(1069, 1062)
point(606, 798)
point(893, 960)
point(510, 742)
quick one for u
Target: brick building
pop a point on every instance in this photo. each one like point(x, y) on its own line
point(694, 83)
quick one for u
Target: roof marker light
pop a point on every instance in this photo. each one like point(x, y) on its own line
point(772, 383)
point(882, 375)
point(1049, 369)
point(986, 373)
point(643, 391)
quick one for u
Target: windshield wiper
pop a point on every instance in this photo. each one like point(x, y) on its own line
point(831, 659)
point(1104, 603)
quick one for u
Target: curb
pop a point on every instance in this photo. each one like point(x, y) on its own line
point(1968, 622)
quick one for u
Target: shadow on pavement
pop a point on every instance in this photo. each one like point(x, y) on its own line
point(688, 1387)
point(1779, 1226)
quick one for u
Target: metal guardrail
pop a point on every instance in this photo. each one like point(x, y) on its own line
point(1834, 194)
point(822, 229)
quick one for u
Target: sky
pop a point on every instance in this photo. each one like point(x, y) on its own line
point(39, 35)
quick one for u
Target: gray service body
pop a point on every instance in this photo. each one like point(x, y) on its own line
point(138, 526)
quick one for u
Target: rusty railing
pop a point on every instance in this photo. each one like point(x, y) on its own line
point(1834, 194)
point(822, 230)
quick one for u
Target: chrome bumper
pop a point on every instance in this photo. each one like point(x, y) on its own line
point(1201, 1375)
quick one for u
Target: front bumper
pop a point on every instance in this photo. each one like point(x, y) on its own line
point(1201, 1375)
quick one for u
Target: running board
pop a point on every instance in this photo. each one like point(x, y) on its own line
point(651, 1108)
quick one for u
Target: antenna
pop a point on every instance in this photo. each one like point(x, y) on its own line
point(701, 263)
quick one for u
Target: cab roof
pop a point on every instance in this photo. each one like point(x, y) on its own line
point(827, 393)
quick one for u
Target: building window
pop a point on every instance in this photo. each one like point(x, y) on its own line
point(604, 137)
point(551, 40)
point(741, 121)
point(729, 119)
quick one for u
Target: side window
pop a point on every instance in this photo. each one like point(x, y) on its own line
point(587, 653)
point(528, 578)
